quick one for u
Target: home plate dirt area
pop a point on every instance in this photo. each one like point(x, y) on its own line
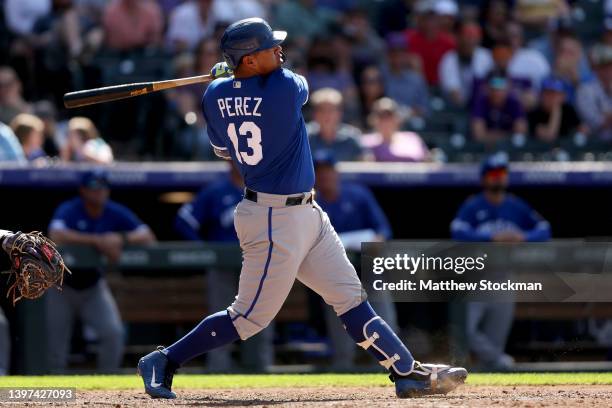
point(369, 397)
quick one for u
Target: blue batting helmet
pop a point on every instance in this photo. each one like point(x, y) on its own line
point(246, 37)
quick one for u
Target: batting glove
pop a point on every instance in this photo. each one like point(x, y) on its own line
point(221, 70)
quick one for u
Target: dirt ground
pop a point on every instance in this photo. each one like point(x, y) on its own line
point(466, 396)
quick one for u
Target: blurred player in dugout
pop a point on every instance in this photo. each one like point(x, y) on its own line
point(210, 218)
point(356, 217)
point(495, 216)
point(94, 220)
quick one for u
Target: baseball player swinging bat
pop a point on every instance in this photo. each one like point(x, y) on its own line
point(253, 112)
point(124, 91)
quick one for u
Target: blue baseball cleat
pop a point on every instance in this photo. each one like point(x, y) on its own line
point(157, 373)
point(429, 379)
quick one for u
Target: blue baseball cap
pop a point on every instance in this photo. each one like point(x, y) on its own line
point(495, 162)
point(553, 84)
point(324, 157)
point(95, 179)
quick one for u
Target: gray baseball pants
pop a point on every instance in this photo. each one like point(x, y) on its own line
point(281, 244)
point(5, 344)
point(96, 308)
point(488, 327)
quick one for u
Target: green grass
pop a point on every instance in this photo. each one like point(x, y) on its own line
point(114, 382)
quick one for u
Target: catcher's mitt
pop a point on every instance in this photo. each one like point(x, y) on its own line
point(35, 264)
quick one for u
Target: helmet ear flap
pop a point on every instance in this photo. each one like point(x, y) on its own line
point(229, 60)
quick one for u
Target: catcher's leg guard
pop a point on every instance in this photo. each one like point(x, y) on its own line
point(372, 333)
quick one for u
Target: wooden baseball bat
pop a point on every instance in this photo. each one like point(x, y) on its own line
point(116, 92)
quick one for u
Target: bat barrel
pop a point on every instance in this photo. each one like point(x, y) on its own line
point(116, 92)
point(106, 94)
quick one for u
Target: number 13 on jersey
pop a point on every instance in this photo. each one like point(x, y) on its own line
point(252, 133)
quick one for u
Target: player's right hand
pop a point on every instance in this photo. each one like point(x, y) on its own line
point(221, 70)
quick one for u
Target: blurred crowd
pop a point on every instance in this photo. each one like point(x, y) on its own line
point(390, 80)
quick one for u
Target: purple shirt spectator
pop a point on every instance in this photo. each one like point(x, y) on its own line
point(403, 147)
point(388, 143)
point(498, 118)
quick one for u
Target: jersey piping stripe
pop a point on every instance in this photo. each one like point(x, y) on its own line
point(263, 278)
point(217, 147)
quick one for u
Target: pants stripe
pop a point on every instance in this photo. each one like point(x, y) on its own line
point(270, 246)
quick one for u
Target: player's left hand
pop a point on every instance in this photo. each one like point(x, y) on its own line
point(221, 70)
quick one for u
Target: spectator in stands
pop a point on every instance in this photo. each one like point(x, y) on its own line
point(463, 68)
point(303, 20)
point(428, 41)
point(447, 10)
point(402, 83)
point(192, 140)
point(189, 23)
point(132, 24)
point(371, 89)
point(230, 11)
point(84, 143)
point(497, 114)
point(21, 15)
point(59, 33)
point(570, 65)
point(367, 47)
point(356, 217)
point(554, 118)
point(92, 220)
point(210, 218)
point(390, 16)
point(538, 13)
point(91, 11)
point(29, 131)
point(388, 143)
point(59, 42)
point(11, 99)
point(330, 65)
point(526, 68)
point(10, 149)
point(561, 47)
point(494, 16)
point(606, 36)
point(327, 131)
point(207, 54)
point(323, 69)
point(46, 111)
point(495, 216)
point(594, 98)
